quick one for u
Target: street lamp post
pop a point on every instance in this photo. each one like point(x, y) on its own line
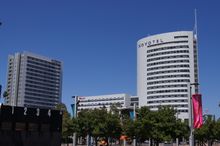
point(191, 137)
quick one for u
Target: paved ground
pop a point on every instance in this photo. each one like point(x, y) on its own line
point(215, 144)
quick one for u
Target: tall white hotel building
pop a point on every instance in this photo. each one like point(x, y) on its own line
point(33, 81)
point(166, 64)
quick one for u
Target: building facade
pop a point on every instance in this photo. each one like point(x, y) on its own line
point(134, 100)
point(166, 65)
point(33, 81)
point(100, 101)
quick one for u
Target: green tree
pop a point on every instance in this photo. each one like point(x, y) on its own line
point(128, 126)
point(139, 128)
point(143, 124)
point(217, 130)
point(99, 123)
point(5, 94)
point(112, 127)
point(181, 130)
point(106, 125)
point(166, 127)
point(68, 124)
point(159, 126)
point(207, 133)
point(85, 120)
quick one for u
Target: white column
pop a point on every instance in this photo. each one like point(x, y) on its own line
point(87, 140)
point(134, 141)
point(75, 116)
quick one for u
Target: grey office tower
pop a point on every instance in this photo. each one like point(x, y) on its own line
point(33, 81)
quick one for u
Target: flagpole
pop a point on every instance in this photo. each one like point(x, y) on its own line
point(195, 25)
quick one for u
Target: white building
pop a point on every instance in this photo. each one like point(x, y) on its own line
point(166, 64)
point(33, 81)
point(100, 101)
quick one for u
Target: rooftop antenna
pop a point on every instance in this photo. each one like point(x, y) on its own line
point(195, 25)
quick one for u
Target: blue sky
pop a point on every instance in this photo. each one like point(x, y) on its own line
point(96, 40)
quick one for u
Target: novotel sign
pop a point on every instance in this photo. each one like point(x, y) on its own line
point(150, 43)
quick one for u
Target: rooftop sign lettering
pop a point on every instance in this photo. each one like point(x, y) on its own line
point(150, 43)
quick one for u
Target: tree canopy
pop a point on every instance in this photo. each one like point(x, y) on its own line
point(159, 126)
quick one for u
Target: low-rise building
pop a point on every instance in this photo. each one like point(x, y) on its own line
point(134, 100)
point(103, 101)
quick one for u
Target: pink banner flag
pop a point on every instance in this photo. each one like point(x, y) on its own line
point(197, 110)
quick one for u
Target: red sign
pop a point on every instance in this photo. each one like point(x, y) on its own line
point(197, 110)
